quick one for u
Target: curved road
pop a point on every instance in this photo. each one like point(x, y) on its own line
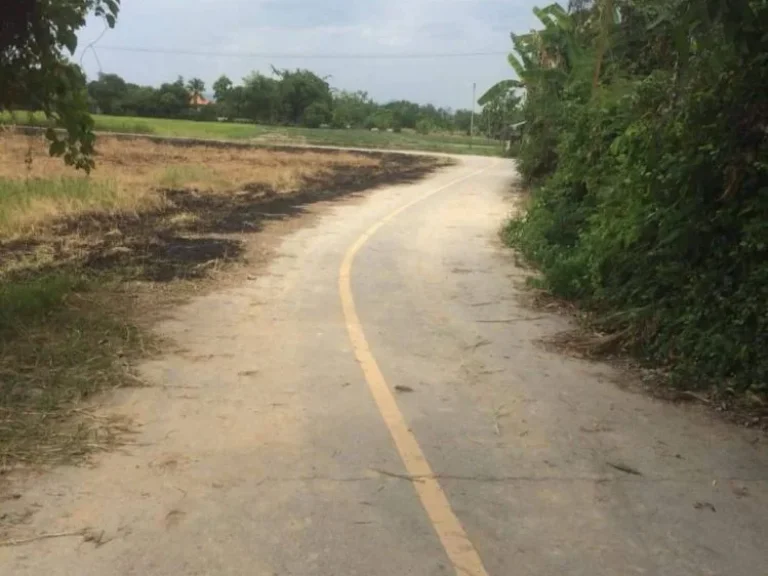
point(378, 404)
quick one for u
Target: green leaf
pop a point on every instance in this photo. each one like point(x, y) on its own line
point(113, 5)
point(69, 39)
point(517, 66)
point(57, 148)
point(499, 89)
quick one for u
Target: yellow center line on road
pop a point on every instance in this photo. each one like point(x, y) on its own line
point(462, 554)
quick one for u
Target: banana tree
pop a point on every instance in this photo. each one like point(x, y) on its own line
point(539, 53)
point(499, 90)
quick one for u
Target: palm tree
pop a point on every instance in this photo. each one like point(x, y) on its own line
point(196, 88)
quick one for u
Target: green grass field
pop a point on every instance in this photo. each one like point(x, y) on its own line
point(259, 134)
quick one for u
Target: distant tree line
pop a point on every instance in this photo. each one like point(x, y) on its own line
point(37, 73)
point(286, 97)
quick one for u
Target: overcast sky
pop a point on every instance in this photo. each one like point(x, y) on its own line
point(319, 27)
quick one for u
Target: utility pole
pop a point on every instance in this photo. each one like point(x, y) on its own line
point(472, 118)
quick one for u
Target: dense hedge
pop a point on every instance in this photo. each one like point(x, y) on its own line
point(650, 178)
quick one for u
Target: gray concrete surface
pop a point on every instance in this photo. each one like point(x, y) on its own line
point(261, 451)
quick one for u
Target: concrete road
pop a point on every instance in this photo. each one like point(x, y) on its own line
point(378, 404)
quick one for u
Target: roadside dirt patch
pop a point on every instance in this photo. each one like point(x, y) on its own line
point(84, 274)
point(587, 341)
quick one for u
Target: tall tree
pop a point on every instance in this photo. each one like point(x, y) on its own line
point(351, 108)
point(35, 73)
point(462, 120)
point(500, 113)
point(173, 99)
point(261, 99)
point(196, 87)
point(404, 114)
point(108, 93)
point(298, 90)
point(221, 87)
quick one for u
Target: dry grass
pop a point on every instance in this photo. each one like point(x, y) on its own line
point(87, 261)
point(131, 176)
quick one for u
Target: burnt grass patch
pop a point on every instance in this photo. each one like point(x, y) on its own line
point(193, 228)
point(74, 297)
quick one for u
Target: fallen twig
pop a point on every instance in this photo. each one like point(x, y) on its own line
point(510, 320)
point(490, 372)
point(705, 506)
point(695, 396)
point(478, 344)
point(13, 542)
point(88, 414)
point(396, 475)
point(498, 413)
point(140, 382)
point(624, 468)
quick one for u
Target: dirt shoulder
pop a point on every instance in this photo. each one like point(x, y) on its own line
point(88, 264)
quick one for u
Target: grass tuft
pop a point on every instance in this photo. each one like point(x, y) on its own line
point(179, 176)
point(61, 342)
point(30, 201)
point(26, 302)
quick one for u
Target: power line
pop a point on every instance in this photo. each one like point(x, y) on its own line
point(304, 56)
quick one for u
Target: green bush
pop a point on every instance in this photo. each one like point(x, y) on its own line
point(424, 126)
point(316, 114)
point(651, 196)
